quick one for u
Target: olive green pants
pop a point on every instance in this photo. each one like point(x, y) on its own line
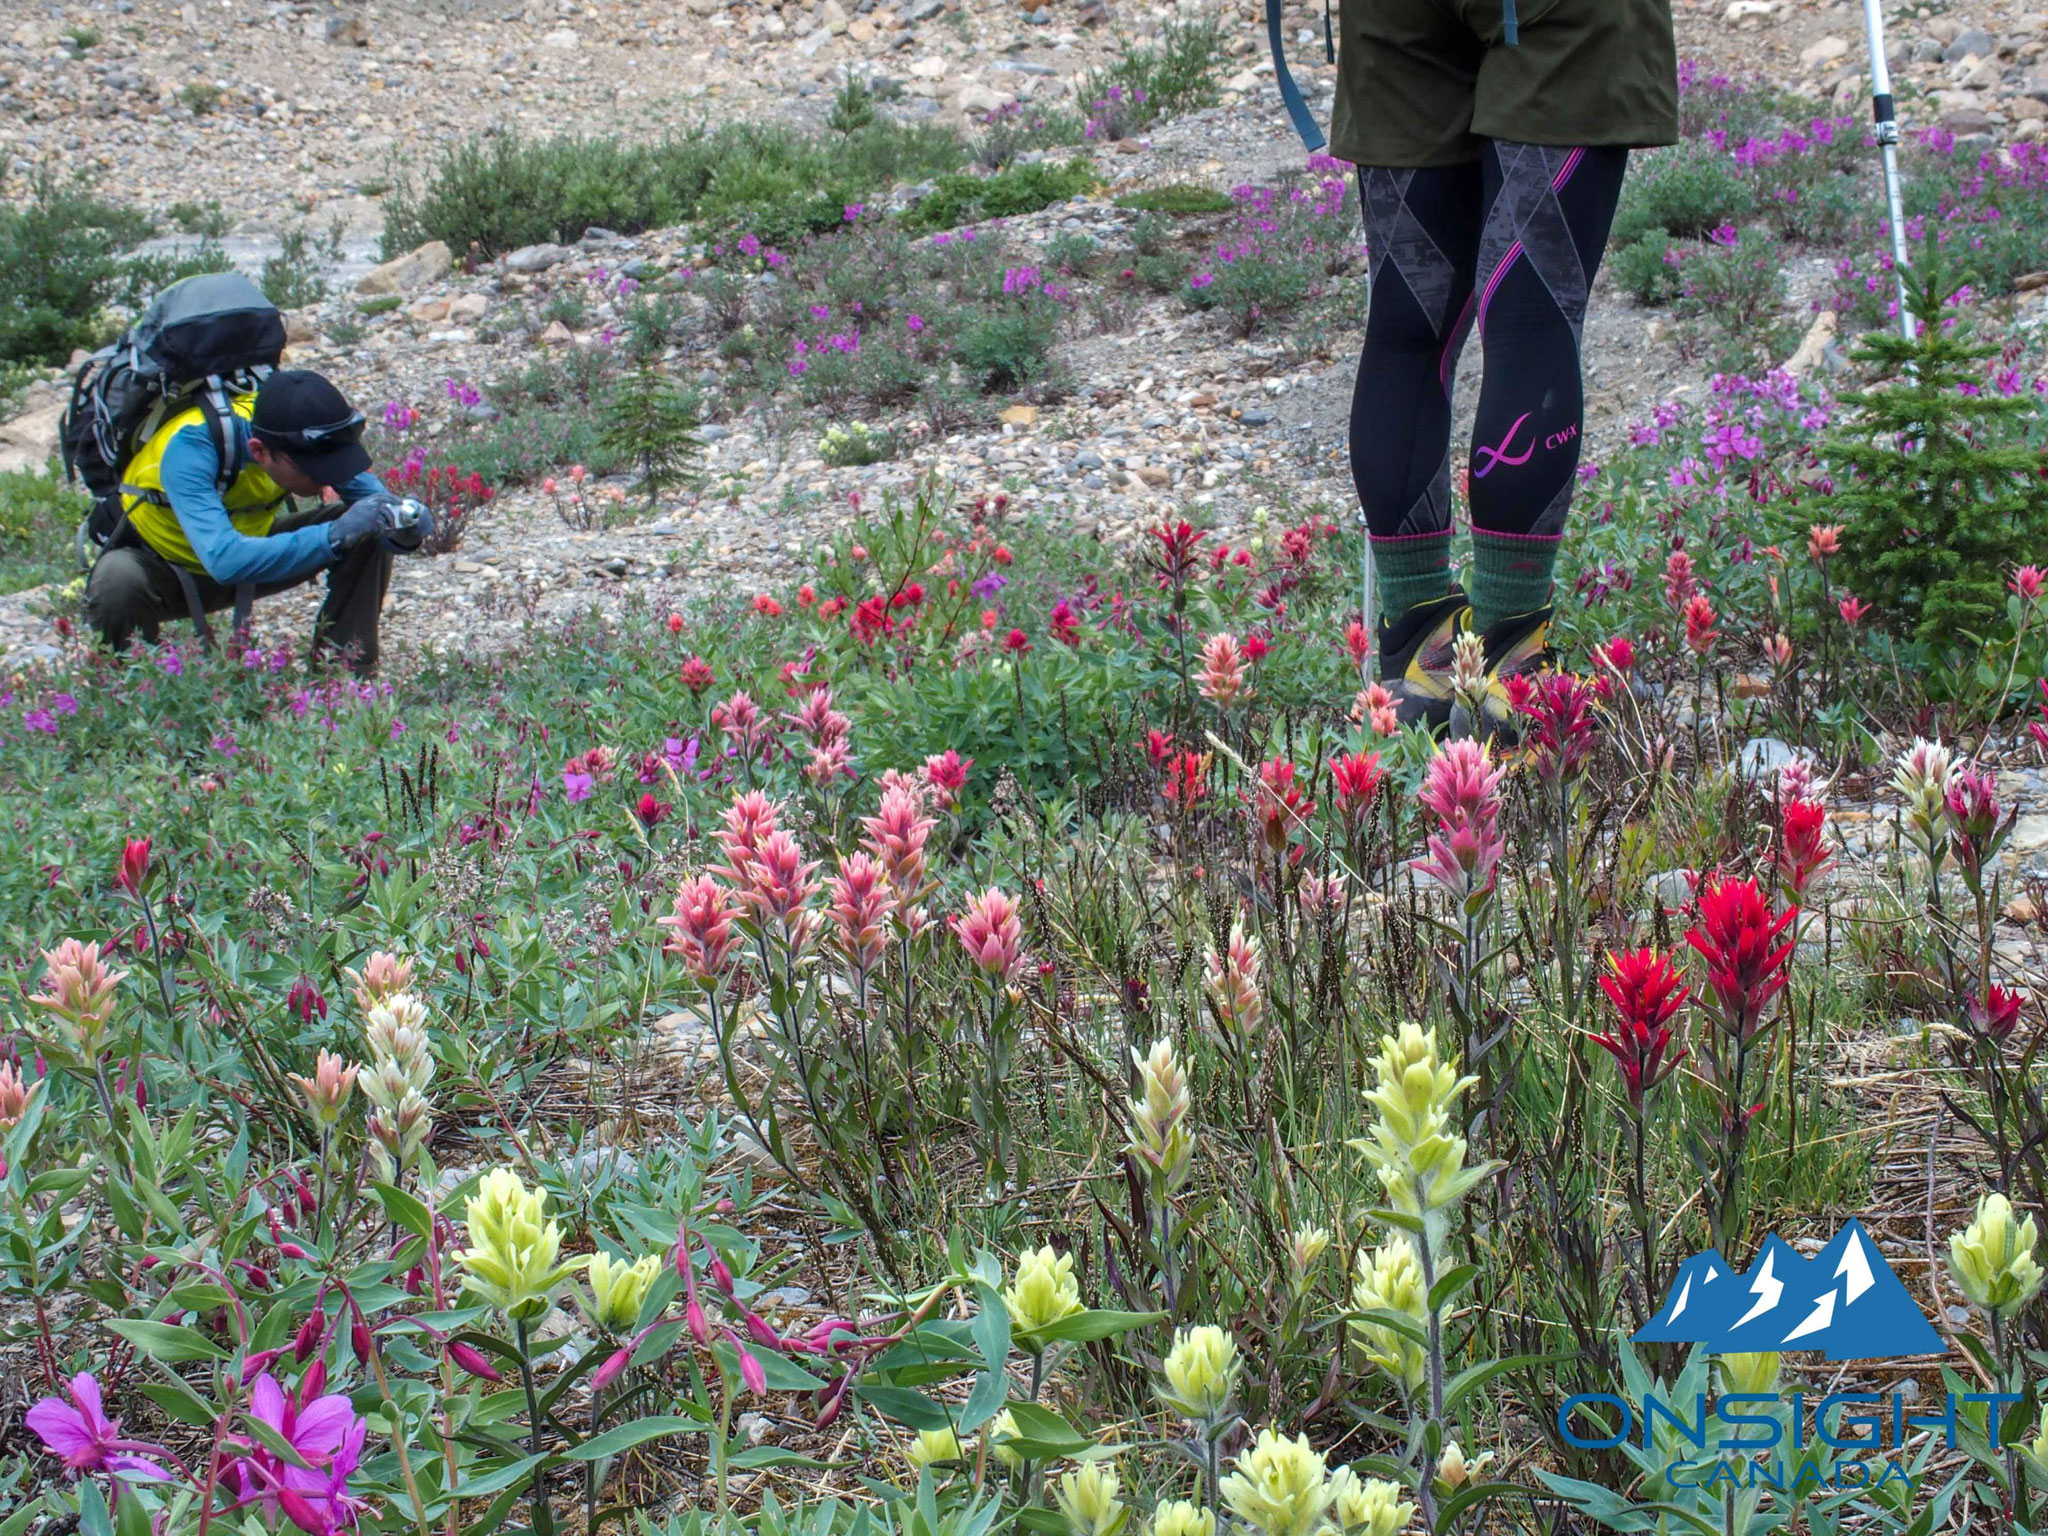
point(133, 589)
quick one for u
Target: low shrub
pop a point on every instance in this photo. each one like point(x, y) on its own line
point(1648, 270)
point(1279, 251)
point(1010, 132)
point(506, 191)
point(60, 268)
point(1007, 349)
point(1182, 72)
point(1685, 191)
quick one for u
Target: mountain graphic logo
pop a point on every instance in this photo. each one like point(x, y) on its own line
point(1844, 1301)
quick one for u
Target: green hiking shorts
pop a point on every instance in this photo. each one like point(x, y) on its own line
point(1421, 82)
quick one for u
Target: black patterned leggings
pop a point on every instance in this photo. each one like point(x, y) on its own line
point(1509, 244)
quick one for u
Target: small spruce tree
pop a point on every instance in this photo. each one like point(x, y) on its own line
point(653, 421)
point(1936, 490)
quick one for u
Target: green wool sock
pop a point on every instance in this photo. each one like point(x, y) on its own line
point(1510, 574)
point(1410, 571)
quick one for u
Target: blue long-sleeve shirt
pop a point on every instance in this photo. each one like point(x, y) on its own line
point(191, 468)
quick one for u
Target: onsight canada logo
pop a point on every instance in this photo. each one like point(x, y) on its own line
point(1844, 1302)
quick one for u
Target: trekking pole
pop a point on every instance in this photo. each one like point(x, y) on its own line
point(1885, 116)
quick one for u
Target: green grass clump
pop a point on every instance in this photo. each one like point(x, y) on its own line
point(1179, 198)
point(1020, 189)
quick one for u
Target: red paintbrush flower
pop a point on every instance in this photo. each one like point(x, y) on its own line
point(1561, 735)
point(1802, 845)
point(1738, 938)
point(1995, 1015)
point(1358, 781)
point(1647, 991)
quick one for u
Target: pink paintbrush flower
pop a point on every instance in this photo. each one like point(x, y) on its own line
point(1232, 982)
point(861, 905)
point(896, 836)
point(1223, 681)
point(748, 821)
point(781, 887)
point(945, 776)
point(992, 933)
point(1462, 790)
point(700, 929)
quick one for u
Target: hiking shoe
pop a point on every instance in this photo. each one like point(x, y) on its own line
point(1415, 658)
point(1517, 646)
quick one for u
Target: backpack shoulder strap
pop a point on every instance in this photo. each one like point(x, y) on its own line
point(1290, 94)
point(233, 450)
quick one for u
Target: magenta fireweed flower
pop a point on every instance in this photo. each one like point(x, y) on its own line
point(325, 1433)
point(79, 1433)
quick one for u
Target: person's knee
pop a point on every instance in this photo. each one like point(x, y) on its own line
point(116, 595)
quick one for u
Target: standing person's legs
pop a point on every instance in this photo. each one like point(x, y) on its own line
point(1548, 212)
point(1422, 232)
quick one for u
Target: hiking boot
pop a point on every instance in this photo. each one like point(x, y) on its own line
point(1517, 646)
point(1415, 658)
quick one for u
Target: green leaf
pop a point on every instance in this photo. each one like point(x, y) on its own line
point(93, 1519)
point(130, 1518)
point(166, 1343)
point(1082, 1327)
point(1449, 1513)
point(1473, 1377)
point(1449, 1284)
point(17, 1524)
point(657, 1343)
point(991, 1390)
point(275, 1443)
point(199, 1296)
point(177, 1401)
point(509, 1475)
point(1393, 1218)
point(639, 1432)
point(1399, 1322)
point(992, 1329)
point(777, 1456)
point(407, 1210)
point(1043, 1435)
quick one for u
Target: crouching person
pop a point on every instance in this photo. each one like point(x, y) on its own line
point(203, 534)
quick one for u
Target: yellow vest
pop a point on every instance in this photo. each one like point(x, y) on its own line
point(252, 498)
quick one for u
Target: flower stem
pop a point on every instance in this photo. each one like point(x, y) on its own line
point(537, 1497)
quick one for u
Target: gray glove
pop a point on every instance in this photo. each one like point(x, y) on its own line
point(398, 522)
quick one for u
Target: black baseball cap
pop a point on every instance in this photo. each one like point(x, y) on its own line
point(302, 415)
